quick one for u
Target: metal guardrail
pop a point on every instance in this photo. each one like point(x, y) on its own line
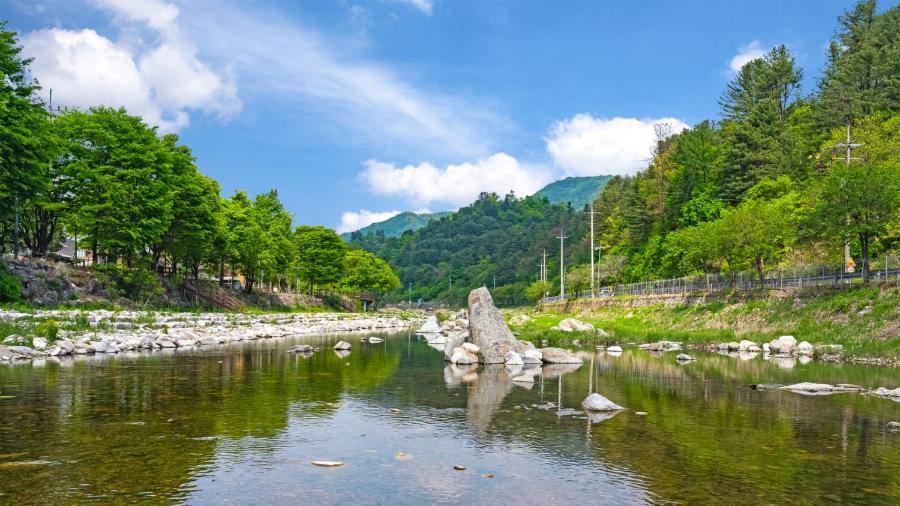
point(717, 283)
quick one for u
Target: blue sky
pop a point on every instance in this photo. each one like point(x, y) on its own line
point(355, 110)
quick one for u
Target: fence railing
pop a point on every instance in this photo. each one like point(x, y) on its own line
point(795, 278)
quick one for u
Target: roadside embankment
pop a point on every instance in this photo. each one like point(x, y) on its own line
point(864, 320)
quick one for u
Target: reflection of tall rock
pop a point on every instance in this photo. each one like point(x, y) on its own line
point(488, 330)
point(486, 395)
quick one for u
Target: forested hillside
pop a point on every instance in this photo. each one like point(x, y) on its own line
point(765, 185)
point(493, 240)
point(577, 191)
point(396, 225)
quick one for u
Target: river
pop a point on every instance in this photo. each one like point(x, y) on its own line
point(241, 423)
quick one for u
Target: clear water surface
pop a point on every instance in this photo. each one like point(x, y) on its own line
point(240, 424)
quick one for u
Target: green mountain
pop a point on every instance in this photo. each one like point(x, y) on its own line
point(576, 190)
point(395, 226)
point(494, 240)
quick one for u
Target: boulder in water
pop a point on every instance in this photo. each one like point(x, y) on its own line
point(559, 356)
point(342, 345)
point(513, 358)
point(596, 402)
point(431, 326)
point(488, 331)
point(462, 357)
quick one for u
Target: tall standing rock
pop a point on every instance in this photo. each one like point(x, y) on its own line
point(488, 330)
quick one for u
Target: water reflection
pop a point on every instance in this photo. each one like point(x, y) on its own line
point(243, 420)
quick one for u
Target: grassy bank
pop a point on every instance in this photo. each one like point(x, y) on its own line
point(865, 320)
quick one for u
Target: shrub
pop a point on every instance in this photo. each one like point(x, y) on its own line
point(138, 284)
point(48, 329)
point(10, 289)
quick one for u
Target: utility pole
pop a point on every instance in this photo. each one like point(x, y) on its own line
point(591, 212)
point(562, 269)
point(848, 147)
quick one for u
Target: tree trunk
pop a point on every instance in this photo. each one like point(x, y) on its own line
point(759, 269)
point(94, 257)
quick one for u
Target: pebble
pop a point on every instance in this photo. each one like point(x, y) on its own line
point(640, 413)
point(327, 463)
point(459, 467)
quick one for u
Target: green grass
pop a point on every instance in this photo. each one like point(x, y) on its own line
point(864, 319)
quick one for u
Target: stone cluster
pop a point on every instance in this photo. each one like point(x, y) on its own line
point(133, 331)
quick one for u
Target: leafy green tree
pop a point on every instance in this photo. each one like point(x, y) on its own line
point(366, 272)
point(25, 139)
point(320, 255)
point(537, 291)
point(243, 241)
point(276, 237)
point(859, 201)
point(121, 173)
point(863, 72)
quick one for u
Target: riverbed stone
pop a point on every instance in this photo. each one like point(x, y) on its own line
point(431, 326)
point(513, 358)
point(684, 357)
point(39, 343)
point(805, 348)
point(886, 392)
point(471, 348)
point(559, 356)
point(488, 330)
point(809, 387)
point(461, 356)
point(597, 402)
point(342, 345)
point(615, 349)
point(453, 342)
point(532, 357)
point(784, 344)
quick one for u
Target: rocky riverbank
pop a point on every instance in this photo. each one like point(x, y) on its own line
point(114, 332)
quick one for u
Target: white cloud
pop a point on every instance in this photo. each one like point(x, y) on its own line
point(353, 220)
point(161, 83)
point(588, 146)
point(328, 76)
point(456, 185)
point(746, 53)
point(425, 6)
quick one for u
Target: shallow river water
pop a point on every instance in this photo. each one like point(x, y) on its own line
point(240, 424)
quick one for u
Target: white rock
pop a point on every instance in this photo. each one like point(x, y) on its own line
point(596, 402)
point(683, 357)
point(615, 349)
point(39, 343)
point(375, 340)
point(809, 387)
point(745, 345)
point(784, 344)
point(462, 357)
point(533, 357)
point(885, 392)
point(513, 358)
point(342, 345)
point(575, 325)
point(431, 326)
point(471, 348)
point(559, 356)
point(185, 343)
point(804, 348)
